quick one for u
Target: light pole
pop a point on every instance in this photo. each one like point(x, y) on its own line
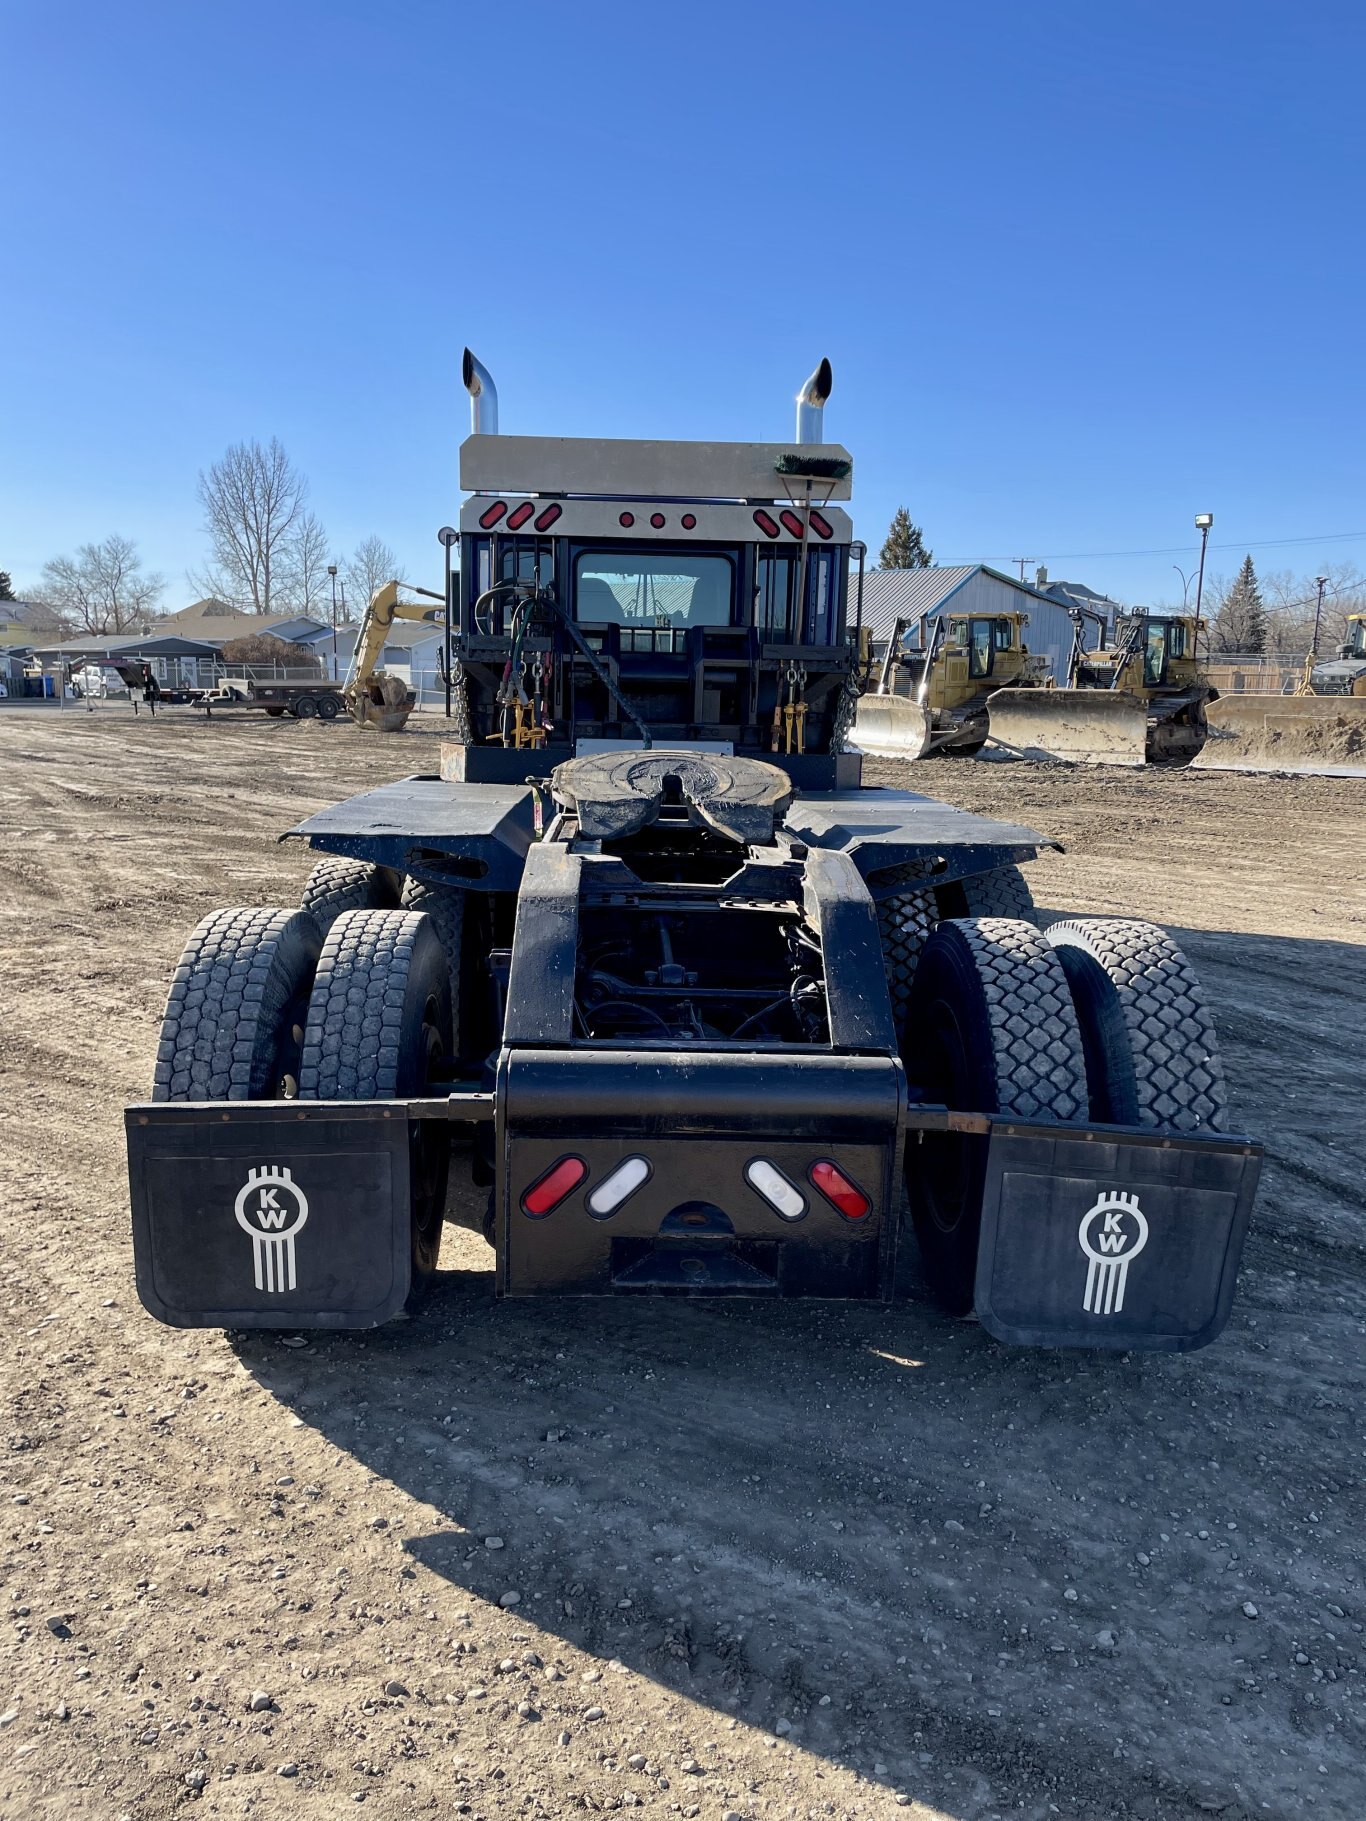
point(1203, 522)
point(446, 537)
point(332, 571)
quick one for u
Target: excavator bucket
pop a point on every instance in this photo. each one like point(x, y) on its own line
point(1310, 734)
point(1085, 726)
point(891, 727)
point(384, 703)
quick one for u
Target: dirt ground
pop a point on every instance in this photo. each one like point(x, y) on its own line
point(768, 1561)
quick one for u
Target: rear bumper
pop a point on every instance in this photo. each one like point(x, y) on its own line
point(289, 1214)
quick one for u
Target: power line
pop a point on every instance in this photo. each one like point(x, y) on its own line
point(1266, 543)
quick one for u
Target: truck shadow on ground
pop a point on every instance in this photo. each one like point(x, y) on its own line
point(992, 1579)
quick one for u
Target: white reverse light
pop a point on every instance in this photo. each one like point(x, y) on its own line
point(780, 1194)
point(608, 1196)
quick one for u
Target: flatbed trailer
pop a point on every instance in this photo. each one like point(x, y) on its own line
point(314, 699)
point(648, 988)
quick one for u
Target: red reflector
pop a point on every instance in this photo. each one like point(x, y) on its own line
point(549, 1191)
point(822, 526)
point(793, 523)
point(657, 520)
point(688, 521)
point(490, 516)
point(766, 523)
point(839, 1191)
point(548, 517)
point(628, 519)
point(519, 515)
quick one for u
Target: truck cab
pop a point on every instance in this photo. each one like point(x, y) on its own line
point(697, 595)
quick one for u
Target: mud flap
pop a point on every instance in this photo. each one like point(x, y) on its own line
point(1109, 1238)
point(270, 1214)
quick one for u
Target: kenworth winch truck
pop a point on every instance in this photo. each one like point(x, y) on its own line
point(651, 989)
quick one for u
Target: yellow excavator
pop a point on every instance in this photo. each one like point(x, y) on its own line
point(1137, 700)
point(374, 698)
point(932, 696)
point(1321, 727)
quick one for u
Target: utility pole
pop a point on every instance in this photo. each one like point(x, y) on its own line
point(1320, 582)
point(1022, 561)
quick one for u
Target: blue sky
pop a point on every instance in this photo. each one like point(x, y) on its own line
point(1082, 270)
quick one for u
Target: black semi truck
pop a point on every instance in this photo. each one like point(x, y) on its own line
point(649, 987)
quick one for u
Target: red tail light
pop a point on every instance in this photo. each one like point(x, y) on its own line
point(519, 515)
point(627, 518)
point(548, 1191)
point(821, 526)
point(548, 517)
point(837, 1189)
point(766, 523)
point(657, 520)
point(490, 516)
point(793, 523)
point(688, 521)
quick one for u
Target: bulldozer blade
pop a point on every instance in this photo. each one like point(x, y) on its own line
point(1315, 735)
point(890, 727)
point(1085, 726)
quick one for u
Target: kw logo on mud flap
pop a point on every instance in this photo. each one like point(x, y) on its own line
point(1112, 1246)
point(272, 1223)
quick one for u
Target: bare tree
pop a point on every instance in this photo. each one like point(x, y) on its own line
point(372, 564)
point(306, 582)
point(253, 500)
point(103, 588)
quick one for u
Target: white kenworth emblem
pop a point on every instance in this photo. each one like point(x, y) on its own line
point(272, 1224)
point(1111, 1247)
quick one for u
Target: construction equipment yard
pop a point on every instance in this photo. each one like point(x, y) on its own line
point(756, 1559)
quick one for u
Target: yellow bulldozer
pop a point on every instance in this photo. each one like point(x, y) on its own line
point(932, 696)
point(1321, 727)
point(373, 697)
point(1137, 699)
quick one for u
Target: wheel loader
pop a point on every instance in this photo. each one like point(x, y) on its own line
point(932, 696)
point(1319, 729)
point(649, 989)
point(1136, 700)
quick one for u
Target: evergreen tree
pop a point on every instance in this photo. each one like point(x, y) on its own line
point(905, 546)
point(1240, 624)
point(6, 586)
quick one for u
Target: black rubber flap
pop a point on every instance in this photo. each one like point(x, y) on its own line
point(1112, 1239)
point(255, 1215)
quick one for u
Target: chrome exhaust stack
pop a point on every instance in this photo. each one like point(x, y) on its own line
point(811, 405)
point(483, 396)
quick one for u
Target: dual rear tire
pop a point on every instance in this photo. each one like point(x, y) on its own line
point(263, 1006)
point(1094, 1020)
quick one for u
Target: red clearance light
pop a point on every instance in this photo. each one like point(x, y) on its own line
point(822, 526)
point(839, 1191)
point(519, 515)
point(548, 517)
point(628, 519)
point(548, 1191)
point(766, 523)
point(657, 520)
point(793, 523)
point(688, 521)
point(490, 516)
